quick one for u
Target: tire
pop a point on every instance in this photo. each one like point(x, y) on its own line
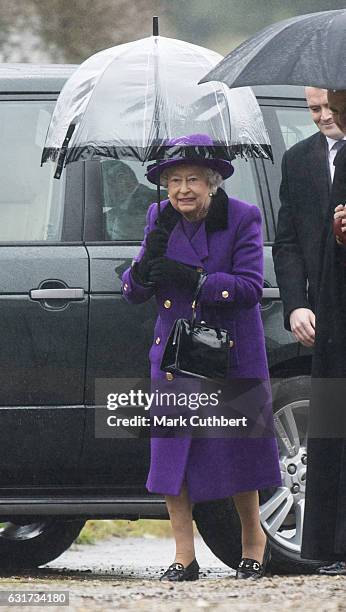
point(28, 545)
point(218, 521)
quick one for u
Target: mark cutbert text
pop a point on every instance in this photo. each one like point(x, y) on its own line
point(179, 421)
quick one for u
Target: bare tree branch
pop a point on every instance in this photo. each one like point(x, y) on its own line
point(72, 30)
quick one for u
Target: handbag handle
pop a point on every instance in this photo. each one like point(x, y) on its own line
point(203, 277)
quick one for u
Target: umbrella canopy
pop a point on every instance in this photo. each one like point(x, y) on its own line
point(305, 50)
point(129, 101)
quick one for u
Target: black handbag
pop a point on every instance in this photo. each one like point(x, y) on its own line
point(197, 349)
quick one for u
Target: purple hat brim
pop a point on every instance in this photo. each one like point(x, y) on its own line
point(222, 166)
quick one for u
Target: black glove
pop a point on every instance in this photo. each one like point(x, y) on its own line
point(165, 271)
point(140, 270)
point(155, 246)
point(156, 243)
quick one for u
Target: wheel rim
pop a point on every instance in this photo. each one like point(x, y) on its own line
point(20, 532)
point(282, 511)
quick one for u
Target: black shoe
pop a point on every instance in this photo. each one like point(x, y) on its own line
point(250, 569)
point(178, 573)
point(335, 569)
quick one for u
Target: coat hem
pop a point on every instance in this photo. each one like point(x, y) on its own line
point(223, 495)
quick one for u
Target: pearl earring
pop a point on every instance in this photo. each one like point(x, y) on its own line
point(210, 194)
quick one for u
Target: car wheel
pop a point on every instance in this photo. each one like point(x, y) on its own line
point(25, 545)
point(282, 508)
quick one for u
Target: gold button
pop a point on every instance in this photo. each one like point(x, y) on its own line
point(231, 343)
point(199, 269)
point(167, 303)
point(225, 294)
point(158, 340)
point(169, 376)
point(126, 287)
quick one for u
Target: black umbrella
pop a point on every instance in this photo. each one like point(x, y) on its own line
point(305, 50)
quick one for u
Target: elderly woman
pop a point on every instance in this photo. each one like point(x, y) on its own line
point(201, 230)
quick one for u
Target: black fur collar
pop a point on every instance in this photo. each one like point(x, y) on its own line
point(216, 219)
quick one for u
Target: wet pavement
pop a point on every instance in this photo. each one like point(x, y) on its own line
point(122, 574)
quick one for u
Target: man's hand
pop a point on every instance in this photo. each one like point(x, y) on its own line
point(302, 321)
point(340, 224)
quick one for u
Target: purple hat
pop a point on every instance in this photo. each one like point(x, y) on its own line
point(191, 145)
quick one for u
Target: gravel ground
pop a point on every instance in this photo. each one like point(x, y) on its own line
point(123, 574)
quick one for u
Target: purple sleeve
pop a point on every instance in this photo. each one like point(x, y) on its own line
point(132, 291)
point(245, 284)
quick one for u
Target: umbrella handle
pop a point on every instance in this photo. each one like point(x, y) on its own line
point(156, 33)
point(158, 190)
point(63, 151)
point(155, 26)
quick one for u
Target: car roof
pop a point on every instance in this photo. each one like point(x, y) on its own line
point(50, 78)
point(34, 78)
point(292, 92)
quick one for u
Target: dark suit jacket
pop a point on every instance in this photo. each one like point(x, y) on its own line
point(325, 500)
point(304, 195)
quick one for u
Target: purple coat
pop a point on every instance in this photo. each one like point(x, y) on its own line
point(228, 246)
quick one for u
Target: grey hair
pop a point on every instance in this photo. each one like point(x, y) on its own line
point(213, 178)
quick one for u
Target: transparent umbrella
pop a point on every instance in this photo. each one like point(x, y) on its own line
point(128, 101)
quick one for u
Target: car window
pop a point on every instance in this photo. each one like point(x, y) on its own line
point(286, 126)
point(127, 195)
point(295, 125)
point(31, 200)
point(242, 184)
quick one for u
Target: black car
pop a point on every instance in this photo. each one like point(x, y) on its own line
point(64, 326)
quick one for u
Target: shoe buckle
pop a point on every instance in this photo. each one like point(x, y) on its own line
point(256, 566)
point(250, 563)
point(177, 566)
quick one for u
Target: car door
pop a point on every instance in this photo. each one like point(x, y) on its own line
point(43, 304)
point(119, 336)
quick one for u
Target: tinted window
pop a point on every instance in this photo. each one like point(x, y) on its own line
point(295, 125)
point(127, 195)
point(242, 184)
point(286, 127)
point(31, 200)
point(126, 198)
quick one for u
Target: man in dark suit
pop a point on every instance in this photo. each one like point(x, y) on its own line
point(307, 177)
point(307, 174)
point(324, 533)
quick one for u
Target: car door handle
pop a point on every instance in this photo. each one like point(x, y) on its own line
point(71, 293)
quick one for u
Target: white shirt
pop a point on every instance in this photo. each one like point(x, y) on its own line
point(331, 155)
